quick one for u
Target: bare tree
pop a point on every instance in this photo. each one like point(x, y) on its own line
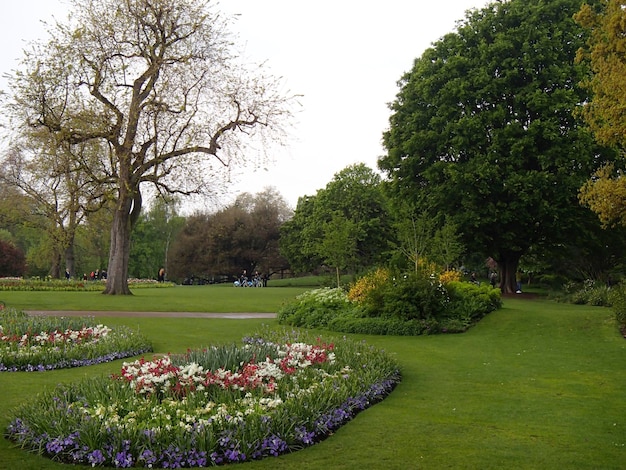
point(159, 85)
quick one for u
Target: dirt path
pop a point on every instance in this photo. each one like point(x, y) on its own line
point(91, 313)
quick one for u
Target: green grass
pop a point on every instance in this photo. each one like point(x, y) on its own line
point(215, 298)
point(535, 385)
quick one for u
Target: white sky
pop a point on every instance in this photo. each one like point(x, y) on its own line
point(344, 56)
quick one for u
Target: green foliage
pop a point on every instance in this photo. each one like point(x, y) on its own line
point(605, 53)
point(617, 299)
point(410, 304)
point(347, 223)
point(382, 326)
point(243, 235)
point(153, 234)
point(482, 131)
point(413, 296)
point(591, 293)
point(338, 244)
point(471, 301)
point(297, 238)
point(315, 308)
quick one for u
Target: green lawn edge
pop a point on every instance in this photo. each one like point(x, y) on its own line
point(534, 385)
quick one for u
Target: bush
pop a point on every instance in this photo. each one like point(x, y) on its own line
point(411, 297)
point(315, 308)
point(472, 301)
point(380, 303)
point(382, 326)
point(591, 294)
point(364, 290)
point(617, 297)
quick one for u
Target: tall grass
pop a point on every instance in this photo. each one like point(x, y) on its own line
point(535, 385)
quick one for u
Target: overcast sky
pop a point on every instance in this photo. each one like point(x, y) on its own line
point(344, 56)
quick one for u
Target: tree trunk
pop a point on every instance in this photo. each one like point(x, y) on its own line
point(117, 271)
point(55, 269)
point(508, 267)
point(70, 259)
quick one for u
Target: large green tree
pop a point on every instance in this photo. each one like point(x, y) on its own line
point(605, 193)
point(159, 85)
point(355, 196)
point(298, 238)
point(242, 236)
point(152, 238)
point(483, 130)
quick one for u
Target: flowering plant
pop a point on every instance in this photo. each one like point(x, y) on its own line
point(277, 393)
point(44, 343)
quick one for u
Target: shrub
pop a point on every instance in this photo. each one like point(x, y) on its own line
point(471, 301)
point(411, 297)
point(591, 294)
point(366, 287)
point(411, 304)
point(450, 275)
point(617, 297)
point(382, 326)
point(315, 308)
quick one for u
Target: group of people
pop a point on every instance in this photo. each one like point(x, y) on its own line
point(96, 275)
point(257, 280)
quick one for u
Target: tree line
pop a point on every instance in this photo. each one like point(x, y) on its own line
point(505, 143)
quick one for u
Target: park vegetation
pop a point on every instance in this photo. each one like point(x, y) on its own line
point(504, 144)
point(492, 135)
point(133, 94)
point(392, 303)
point(47, 343)
point(276, 393)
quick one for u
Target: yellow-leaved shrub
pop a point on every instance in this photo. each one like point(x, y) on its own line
point(449, 275)
point(366, 284)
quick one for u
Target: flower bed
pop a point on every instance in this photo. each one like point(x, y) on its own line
point(46, 343)
point(277, 393)
point(49, 284)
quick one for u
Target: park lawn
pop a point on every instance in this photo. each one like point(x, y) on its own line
point(221, 298)
point(535, 385)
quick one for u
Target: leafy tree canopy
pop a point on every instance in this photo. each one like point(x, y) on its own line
point(605, 51)
point(12, 260)
point(483, 130)
point(355, 197)
point(242, 236)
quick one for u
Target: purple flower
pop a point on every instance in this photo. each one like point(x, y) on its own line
point(95, 458)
